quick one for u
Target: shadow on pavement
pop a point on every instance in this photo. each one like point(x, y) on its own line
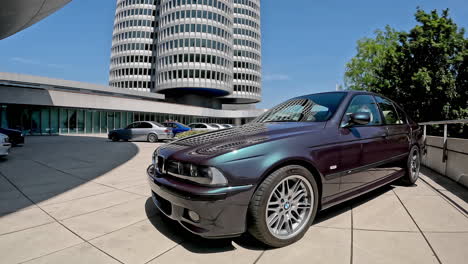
point(446, 186)
point(193, 243)
point(196, 244)
point(47, 167)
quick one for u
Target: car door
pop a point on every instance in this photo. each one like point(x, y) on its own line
point(145, 129)
point(137, 131)
point(398, 136)
point(361, 144)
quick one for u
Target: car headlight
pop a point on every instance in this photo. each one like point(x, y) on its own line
point(6, 140)
point(203, 175)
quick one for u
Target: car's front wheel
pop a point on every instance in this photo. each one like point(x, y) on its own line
point(284, 206)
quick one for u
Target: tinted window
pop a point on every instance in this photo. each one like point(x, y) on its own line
point(193, 125)
point(145, 125)
point(366, 104)
point(312, 108)
point(388, 111)
point(132, 125)
point(201, 126)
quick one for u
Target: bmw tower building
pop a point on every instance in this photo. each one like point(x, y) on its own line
point(197, 52)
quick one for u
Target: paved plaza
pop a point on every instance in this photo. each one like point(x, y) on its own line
point(84, 199)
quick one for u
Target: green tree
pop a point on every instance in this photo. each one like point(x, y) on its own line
point(362, 72)
point(425, 69)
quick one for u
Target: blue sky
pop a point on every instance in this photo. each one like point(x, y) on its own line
point(306, 43)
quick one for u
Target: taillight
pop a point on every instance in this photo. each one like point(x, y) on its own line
point(167, 131)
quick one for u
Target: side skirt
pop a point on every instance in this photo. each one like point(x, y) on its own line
point(362, 190)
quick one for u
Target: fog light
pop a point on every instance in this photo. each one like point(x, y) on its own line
point(194, 216)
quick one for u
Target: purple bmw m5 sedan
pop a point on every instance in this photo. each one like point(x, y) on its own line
point(270, 177)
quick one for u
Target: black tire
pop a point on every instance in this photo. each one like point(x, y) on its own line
point(257, 225)
point(413, 165)
point(152, 138)
point(115, 138)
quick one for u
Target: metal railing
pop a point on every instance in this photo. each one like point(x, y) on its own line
point(445, 124)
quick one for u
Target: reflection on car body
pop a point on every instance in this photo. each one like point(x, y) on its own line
point(270, 177)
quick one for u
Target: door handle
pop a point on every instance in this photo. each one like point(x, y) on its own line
point(384, 135)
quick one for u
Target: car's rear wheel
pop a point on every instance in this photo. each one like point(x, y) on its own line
point(115, 138)
point(413, 165)
point(284, 206)
point(152, 138)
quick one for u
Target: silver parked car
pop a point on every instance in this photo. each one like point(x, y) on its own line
point(202, 127)
point(142, 131)
point(5, 145)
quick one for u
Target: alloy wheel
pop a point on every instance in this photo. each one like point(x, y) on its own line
point(415, 164)
point(289, 207)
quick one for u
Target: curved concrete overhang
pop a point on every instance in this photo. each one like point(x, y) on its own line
point(16, 15)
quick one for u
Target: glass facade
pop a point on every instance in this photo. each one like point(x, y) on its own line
point(46, 120)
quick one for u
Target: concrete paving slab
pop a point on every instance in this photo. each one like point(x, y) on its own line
point(432, 213)
point(79, 254)
point(319, 245)
point(335, 217)
point(418, 189)
point(35, 242)
point(11, 201)
point(110, 219)
point(384, 212)
point(138, 243)
point(379, 247)
point(88, 204)
point(142, 189)
point(80, 191)
point(22, 219)
point(450, 247)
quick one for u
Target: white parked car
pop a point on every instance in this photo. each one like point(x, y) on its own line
point(202, 127)
point(5, 145)
point(218, 126)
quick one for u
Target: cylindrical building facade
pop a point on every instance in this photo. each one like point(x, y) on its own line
point(195, 48)
point(133, 45)
point(247, 82)
point(202, 52)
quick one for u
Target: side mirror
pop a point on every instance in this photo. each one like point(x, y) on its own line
point(359, 118)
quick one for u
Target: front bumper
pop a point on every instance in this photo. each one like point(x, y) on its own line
point(222, 210)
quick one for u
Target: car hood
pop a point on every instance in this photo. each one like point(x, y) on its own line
point(222, 141)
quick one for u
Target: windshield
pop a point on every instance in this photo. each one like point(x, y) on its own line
point(309, 108)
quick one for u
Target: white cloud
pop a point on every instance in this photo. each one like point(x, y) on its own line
point(276, 77)
point(36, 62)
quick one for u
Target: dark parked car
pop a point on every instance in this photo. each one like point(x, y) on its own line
point(16, 137)
point(270, 177)
point(142, 131)
point(176, 127)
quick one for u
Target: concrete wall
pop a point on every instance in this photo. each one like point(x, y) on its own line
point(456, 165)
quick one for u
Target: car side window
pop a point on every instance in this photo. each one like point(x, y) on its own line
point(388, 111)
point(363, 104)
point(145, 125)
point(401, 116)
point(201, 126)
